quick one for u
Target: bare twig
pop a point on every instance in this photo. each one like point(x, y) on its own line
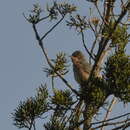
point(52, 28)
point(123, 127)
point(99, 122)
point(113, 102)
point(83, 41)
point(34, 125)
point(52, 82)
point(105, 22)
point(41, 19)
point(112, 123)
point(93, 46)
point(89, 23)
point(111, 119)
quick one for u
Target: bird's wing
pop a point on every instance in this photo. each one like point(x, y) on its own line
point(86, 66)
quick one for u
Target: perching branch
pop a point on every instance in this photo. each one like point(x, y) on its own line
point(48, 60)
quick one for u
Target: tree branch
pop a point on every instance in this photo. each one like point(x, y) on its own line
point(83, 41)
point(52, 28)
point(113, 102)
point(112, 123)
point(48, 60)
point(99, 122)
point(104, 43)
point(123, 127)
point(104, 21)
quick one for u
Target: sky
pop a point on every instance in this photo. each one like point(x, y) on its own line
point(22, 61)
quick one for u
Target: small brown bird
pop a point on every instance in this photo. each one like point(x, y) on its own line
point(81, 67)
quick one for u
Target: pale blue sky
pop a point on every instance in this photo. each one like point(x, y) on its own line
point(21, 60)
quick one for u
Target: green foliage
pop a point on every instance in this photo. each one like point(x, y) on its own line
point(62, 100)
point(34, 17)
point(60, 8)
point(96, 93)
point(78, 22)
point(60, 65)
point(55, 124)
point(118, 75)
point(118, 65)
point(34, 107)
point(53, 12)
point(120, 36)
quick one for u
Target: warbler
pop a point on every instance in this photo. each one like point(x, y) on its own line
point(81, 67)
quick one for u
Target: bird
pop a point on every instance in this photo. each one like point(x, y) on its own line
point(81, 67)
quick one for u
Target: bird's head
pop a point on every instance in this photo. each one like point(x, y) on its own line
point(77, 56)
